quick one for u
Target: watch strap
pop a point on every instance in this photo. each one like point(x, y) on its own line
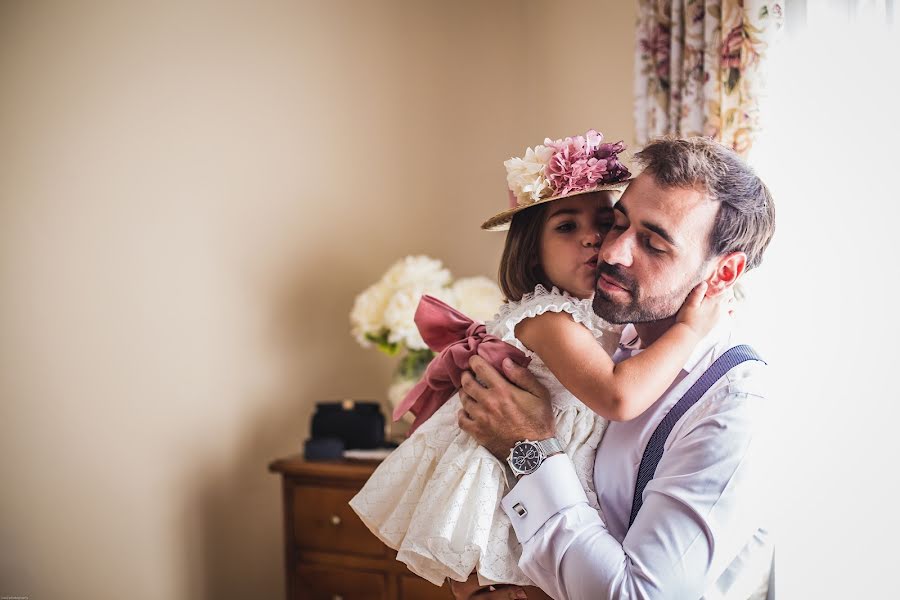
point(550, 446)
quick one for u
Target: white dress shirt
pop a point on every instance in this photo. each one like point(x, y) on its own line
point(702, 528)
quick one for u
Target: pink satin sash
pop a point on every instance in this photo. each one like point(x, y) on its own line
point(456, 338)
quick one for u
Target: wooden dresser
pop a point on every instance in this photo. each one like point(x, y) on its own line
point(329, 553)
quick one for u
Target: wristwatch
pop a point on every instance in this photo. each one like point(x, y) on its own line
point(526, 456)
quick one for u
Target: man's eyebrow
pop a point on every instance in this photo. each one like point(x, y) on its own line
point(660, 232)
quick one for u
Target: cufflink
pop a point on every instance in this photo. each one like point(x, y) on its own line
point(520, 510)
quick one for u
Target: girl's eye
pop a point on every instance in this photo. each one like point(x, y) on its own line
point(565, 227)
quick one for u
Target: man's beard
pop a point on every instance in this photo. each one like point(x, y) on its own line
point(638, 309)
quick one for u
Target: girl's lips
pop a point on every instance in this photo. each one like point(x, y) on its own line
point(592, 261)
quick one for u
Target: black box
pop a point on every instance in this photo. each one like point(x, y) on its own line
point(359, 424)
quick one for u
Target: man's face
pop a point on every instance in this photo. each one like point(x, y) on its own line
point(655, 253)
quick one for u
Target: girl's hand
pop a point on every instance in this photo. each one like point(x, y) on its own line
point(700, 312)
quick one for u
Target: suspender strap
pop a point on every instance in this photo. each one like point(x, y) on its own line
point(654, 450)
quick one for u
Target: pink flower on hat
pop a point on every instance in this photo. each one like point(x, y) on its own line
point(582, 162)
point(563, 167)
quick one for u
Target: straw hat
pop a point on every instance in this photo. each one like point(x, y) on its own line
point(560, 169)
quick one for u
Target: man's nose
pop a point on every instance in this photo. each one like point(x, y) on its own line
point(617, 250)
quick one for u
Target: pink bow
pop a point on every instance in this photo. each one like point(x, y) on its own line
point(457, 338)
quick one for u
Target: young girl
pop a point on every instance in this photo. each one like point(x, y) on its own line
point(435, 499)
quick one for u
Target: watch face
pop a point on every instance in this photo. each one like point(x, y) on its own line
point(526, 457)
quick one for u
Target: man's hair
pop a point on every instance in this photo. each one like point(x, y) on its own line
point(746, 218)
point(520, 268)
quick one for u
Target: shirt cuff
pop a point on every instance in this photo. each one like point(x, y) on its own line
point(539, 496)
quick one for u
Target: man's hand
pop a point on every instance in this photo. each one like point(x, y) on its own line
point(498, 413)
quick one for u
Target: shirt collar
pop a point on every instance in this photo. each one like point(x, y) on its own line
point(630, 340)
point(704, 351)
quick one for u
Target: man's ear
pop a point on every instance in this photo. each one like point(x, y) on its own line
point(729, 268)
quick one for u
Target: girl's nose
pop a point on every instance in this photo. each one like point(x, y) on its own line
point(592, 240)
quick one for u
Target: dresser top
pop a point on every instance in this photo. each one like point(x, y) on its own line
point(349, 470)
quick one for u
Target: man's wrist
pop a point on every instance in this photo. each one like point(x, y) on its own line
point(527, 455)
point(502, 449)
point(539, 467)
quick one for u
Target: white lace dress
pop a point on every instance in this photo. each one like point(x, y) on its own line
point(436, 498)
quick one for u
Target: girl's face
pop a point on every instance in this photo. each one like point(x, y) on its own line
point(570, 241)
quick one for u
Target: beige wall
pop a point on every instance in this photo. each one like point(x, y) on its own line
point(580, 57)
point(190, 197)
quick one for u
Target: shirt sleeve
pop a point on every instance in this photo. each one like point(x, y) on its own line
point(699, 511)
point(539, 496)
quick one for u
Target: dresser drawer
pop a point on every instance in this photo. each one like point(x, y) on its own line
point(414, 588)
point(332, 583)
point(323, 520)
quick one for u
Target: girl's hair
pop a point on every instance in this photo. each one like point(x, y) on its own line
point(520, 267)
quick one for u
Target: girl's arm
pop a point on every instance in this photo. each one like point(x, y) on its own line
point(618, 392)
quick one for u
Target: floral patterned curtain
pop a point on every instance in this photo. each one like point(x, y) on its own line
point(699, 67)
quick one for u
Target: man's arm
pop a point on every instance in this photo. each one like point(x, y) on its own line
point(699, 511)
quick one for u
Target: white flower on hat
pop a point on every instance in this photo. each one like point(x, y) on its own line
point(477, 297)
point(525, 176)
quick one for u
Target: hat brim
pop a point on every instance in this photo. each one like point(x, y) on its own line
point(501, 221)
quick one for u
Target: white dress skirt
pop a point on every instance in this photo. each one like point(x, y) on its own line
point(436, 498)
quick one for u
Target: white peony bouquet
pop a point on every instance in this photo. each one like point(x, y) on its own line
point(382, 315)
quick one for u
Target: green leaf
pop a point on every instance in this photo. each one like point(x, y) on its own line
point(413, 364)
point(381, 342)
point(764, 11)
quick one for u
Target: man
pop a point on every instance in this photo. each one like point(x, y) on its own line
point(696, 213)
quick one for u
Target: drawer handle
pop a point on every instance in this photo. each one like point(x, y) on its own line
point(336, 520)
point(337, 597)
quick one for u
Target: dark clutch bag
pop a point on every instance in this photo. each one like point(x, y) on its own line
point(358, 424)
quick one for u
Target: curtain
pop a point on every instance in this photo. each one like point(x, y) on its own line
point(699, 67)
